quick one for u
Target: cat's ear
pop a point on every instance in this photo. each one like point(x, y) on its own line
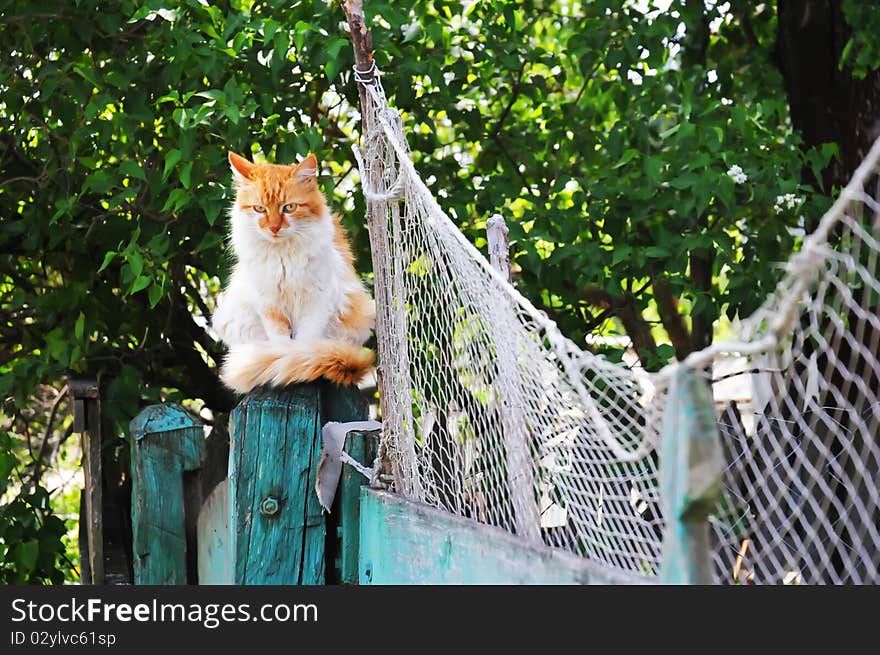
point(307, 169)
point(242, 169)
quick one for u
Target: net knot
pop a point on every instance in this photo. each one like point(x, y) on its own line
point(367, 77)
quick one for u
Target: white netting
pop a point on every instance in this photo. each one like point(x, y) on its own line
point(491, 413)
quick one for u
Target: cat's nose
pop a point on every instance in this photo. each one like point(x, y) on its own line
point(275, 228)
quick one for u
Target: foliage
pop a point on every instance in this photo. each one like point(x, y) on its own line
point(31, 548)
point(116, 122)
point(605, 135)
point(862, 50)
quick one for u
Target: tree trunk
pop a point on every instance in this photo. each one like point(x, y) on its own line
point(827, 103)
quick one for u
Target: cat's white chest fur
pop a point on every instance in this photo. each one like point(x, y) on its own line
point(306, 289)
point(302, 279)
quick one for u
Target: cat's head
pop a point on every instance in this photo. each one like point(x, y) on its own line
point(274, 200)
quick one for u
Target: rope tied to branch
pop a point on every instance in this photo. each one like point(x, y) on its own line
point(368, 77)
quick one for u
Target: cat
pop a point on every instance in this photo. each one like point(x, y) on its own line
point(294, 308)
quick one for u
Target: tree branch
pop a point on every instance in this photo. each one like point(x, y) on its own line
point(701, 262)
point(637, 328)
point(528, 187)
point(44, 447)
point(514, 94)
point(672, 320)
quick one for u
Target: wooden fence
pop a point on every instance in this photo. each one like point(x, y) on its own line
point(263, 523)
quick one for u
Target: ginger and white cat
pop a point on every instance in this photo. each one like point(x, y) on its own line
point(294, 309)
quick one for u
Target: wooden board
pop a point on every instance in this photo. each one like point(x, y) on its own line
point(275, 448)
point(86, 401)
point(402, 542)
point(166, 441)
point(214, 540)
point(345, 405)
point(691, 464)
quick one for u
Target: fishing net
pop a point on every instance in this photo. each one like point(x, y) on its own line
point(490, 413)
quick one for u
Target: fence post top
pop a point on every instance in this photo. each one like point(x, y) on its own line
point(83, 387)
point(162, 418)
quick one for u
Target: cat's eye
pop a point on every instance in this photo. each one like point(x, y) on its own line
point(259, 209)
point(288, 207)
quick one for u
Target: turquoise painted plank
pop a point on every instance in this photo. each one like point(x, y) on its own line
point(691, 464)
point(166, 441)
point(402, 542)
point(278, 531)
point(345, 405)
point(362, 448)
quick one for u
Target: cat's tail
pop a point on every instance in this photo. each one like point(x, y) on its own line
point(250, 365)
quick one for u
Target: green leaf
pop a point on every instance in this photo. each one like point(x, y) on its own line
point(25, 555)
point(7, 466)
point(212, 209)
point(412, 32)
point(87, 74)
point(621, 254)
point(684, 181)
point(209, 241)
point(136, 261)
point(657, 252)
point(140, 283)
point(63, 206)
point(336, 44)
point(155, 294)
point(269, 28)
point(627, 157)
point(844, 56)
point(80, 326)
point(132, 169)
point(186, 174)
point(665, 134)
point(654, 169)
point(170, 162)
point(108, 257)
point(176, 199)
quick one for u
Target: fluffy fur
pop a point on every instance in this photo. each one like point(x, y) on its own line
point(294, 309)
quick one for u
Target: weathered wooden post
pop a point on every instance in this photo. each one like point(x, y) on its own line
point(521, 480)
point(690, 480)
point(166, 440)
point(362, 446)
point(87, 421)
point(278, 528)
point(346, 406)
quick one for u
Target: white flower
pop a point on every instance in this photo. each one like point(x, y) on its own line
point(787, 201)
point(737, 174)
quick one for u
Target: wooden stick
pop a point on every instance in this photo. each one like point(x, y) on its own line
point(87, 421)
point(167, 441)
point(362, 42)
point(527, 517)
point(390, 326)
point(361, 38)
point(499, 245)
point(744, 549)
